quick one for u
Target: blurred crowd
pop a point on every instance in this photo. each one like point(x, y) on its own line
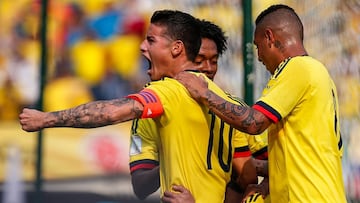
point(92, 49)
point(93, 53)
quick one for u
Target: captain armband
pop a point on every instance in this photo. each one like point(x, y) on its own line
point(151, 102)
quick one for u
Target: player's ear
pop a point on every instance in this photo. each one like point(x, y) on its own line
point(177, 47)
point(269, 36)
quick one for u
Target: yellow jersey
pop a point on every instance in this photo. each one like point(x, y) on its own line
point(305, 146)
point(193, 146)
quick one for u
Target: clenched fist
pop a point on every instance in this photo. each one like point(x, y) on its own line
point(32, 120)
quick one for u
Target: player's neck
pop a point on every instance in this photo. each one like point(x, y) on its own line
point(186, 65)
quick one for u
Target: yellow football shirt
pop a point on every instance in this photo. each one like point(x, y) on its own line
point(194, 147)
point(305, 146)
point(257, 143)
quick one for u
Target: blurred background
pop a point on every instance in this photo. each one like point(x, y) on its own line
point(93, 54)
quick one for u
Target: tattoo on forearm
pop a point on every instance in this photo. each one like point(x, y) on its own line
point(241, 117)
point(138, 112)
point(94, 114)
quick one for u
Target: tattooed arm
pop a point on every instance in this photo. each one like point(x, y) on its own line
point(89, 115)
point(243, 118)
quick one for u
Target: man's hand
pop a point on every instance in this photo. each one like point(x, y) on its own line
point(262, 188)
point(179, 195)
point(32, 120)
point(197, 86)
point(255, 198)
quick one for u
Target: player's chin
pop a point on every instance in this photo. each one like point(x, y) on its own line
point(210, 76)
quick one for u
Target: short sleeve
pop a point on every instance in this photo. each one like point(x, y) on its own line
point(241, 148)
point(143, 145)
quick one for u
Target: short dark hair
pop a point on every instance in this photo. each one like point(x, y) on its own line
point(213, 32)
point(180, 26)
point(296, 19)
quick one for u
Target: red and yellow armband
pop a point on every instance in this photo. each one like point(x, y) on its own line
point(152, 104)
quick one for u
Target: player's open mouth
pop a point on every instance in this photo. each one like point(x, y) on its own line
point(149, 62)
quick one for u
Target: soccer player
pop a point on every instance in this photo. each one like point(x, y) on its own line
point(144, 163)
point(298, 107)
point(202, 164)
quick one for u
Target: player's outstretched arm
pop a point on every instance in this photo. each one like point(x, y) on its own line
point(243, 118)
point(89, 115)
point(145, 182)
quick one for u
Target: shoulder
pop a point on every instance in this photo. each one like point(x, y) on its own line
point(305, 64)
point(164, 84)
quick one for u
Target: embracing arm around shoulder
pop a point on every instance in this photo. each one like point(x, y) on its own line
point(243, 118)
point(89, 115)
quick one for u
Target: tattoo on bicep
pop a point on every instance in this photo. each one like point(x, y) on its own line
point(136, 110)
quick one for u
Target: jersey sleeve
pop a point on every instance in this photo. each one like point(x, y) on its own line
point(151, 102)
point(283, 92)
point(143, 145)
point(258, 145)
point(241, 148)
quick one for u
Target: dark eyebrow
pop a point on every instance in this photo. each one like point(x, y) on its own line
point(201, 55)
